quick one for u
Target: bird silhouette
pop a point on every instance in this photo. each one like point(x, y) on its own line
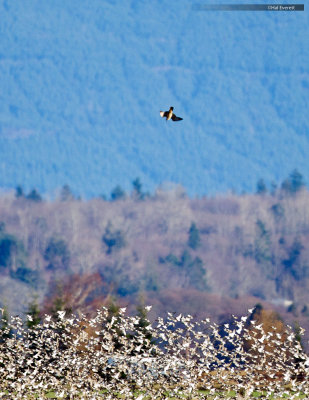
point(170, 115)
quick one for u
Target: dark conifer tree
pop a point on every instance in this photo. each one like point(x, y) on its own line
point(194, 237)
point(261, 188)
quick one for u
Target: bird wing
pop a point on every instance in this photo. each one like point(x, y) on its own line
point(174, 118)
point(164, 114)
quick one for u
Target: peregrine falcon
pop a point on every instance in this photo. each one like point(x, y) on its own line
point(170, 115)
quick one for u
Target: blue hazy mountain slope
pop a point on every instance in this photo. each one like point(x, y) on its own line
point(82, 85)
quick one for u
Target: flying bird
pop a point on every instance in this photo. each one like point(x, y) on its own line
point(170, 115)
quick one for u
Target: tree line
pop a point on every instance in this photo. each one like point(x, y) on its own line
point(164, 246)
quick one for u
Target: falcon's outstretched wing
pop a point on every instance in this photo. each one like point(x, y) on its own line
point(174, 118)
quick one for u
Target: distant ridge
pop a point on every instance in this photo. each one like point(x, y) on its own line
point(82, 85)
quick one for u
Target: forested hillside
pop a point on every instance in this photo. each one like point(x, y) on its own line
point(82, 85)
point(203, 256)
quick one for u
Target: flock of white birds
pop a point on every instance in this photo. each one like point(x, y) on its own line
point(120, 356)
